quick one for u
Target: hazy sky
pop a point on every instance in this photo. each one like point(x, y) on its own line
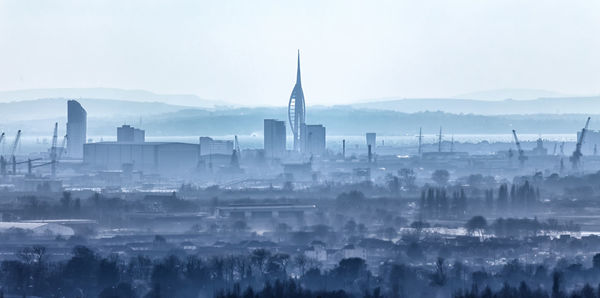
point(245, 51)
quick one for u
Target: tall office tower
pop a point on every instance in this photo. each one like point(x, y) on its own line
point(274, 138)
point(296, 110)
point(371, 140)
point(76, 129)
point(313, 137)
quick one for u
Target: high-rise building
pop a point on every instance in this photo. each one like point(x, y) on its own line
point(371, 140)
point(274, 138)
point(130, 134)
point(296, 110)
point(313, 137)
point(76, 129)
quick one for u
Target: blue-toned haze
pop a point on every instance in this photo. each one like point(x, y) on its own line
point(243, 52)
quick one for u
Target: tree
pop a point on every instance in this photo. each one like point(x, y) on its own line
point(596, 261)
point(556, 279)
point(349, 270)
point(477, 224)
point(65, 200)
point(438, 278)
point(301, 260)
point(122, 290)
point(239, 226)
point(390, 233)
point(419, 226)
point(407, 177)
point(440, 177)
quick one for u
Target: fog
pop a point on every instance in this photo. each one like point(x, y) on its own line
point(426, 149)
point(241, 52)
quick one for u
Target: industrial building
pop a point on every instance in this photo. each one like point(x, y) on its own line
point(591, 142)
point(147, 156)
point(130, 134)
point(209, 146)
point(264, 211)
point(132, 152)
point(313, 136)
point(274, 138)
point(37, 229)
point(76, 129)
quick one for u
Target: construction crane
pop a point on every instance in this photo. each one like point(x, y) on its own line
point(3, 166)
point(576, 156)
point(237, 148)
point(53, 149)
point(55, 154)
point(1, 138)
point(440, 140)
point(2, 160)
point(13, 149)
point(62, 147)
point(29, 164)
point(420, 141)
point(522, 157)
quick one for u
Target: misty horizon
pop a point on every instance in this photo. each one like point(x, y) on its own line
point(303, 149)
point(238, 53)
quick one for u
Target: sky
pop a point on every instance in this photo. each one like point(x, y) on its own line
point(244, 52)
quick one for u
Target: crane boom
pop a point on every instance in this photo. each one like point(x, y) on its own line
point(1, 140)
point(15, 143)
point(62, 147)
point(54, 142)
point(522, 156)
point(53, 149)
point(576, 157)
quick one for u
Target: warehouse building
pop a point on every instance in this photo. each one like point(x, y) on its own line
point(148, 156)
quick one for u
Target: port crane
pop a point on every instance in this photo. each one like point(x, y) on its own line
point(576, 156)
point(55, 154)
point(13, 150)
point(420, 141)
point(522, 157)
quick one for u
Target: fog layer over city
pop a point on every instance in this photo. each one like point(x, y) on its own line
point(268, 149)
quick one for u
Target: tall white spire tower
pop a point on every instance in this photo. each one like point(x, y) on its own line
point(296, 109)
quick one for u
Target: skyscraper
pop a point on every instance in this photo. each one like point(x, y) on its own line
point(296, 110)
point(76, 129)
point(371, 140)
point(313, 139)
point(274, 138)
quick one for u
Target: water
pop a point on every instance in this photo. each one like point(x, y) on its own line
point(35, 144)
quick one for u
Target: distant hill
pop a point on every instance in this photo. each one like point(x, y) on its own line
point(558, 105)
point(400, 117)
point(51, 108)
point(337, 120)
point(108, 93)
point(346, 121)
point(516, 94)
